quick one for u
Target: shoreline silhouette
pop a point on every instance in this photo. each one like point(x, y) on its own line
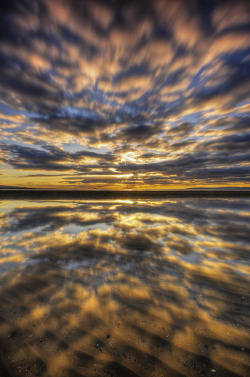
point(83, 194)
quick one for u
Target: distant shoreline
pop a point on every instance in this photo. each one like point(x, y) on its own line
point(11, 194)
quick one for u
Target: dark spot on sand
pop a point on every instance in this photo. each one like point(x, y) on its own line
point(41, 366)
point(12, 334)
point(99, 346)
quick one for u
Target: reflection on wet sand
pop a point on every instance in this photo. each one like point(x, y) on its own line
point(125, 288)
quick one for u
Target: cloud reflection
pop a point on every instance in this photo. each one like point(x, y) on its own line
point(125, 288)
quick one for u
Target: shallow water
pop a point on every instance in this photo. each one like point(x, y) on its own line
point(125, 288)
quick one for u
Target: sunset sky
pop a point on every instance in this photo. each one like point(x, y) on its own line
point(124, 94)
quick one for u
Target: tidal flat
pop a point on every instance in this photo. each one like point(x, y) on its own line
point(125, 287)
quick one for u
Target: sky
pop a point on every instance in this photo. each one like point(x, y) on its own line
point(124, 95)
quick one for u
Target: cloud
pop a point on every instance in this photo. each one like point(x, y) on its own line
point(144, 77)
point(50, 158)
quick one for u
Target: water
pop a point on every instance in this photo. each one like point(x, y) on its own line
point(125, 287)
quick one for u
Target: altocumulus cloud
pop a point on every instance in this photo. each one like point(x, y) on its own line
point(125, 94)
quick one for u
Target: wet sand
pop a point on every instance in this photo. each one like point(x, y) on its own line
point(125, 288)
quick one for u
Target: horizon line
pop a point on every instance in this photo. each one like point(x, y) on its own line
point(38, 194)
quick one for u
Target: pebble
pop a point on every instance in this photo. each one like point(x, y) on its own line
point(213, 370)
